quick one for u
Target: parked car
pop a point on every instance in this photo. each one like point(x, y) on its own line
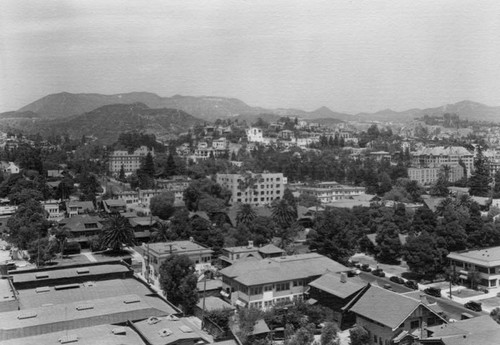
point(411, 284)
point(473, 305)
point(397, 280)
point(353, 272)
point(378, 272)
point(365, 268)
point(388, 286)
point(433, 291)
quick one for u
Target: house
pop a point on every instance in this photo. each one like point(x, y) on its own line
point(392, 318)
point(10, 168)
point(75, 207)
point(142, 227)
point(485, 261)
point(155, 254)
point(327, 192)
point(114, 206)
point(53, 209)
point(82, 227)
point(229, 255)
point(262, 283)
point(254, 134)
point(478, 330)
point(335, 291)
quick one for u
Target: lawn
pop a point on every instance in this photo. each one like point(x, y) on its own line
point(466, 293)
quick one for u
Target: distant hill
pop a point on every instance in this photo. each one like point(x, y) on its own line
point(64, 105)
point(107, 122)
point(18, 115)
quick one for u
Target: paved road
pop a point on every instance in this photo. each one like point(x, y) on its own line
point(453, 309)
point(374, 280)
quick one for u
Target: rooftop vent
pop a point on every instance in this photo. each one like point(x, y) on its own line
point(67, 286)
point(185, 329)
point(343, 277)
point(119, 331)
point(70, 338)
point(42, 289)
point(41, 275)
point(153, 320)
point(130, 300)
point(82, 270)
point(165, 332)
point(84, 307)
point(26, 315)
point(171, 318)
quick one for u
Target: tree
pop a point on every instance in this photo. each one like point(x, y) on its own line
point(334, 235)
point(359, 336)
point(423, 255)
point(440, 187)
point(148, 166)
point(245, 215)
point(162, 205)
point(121, 175)
point(495, 315)
point(27, 224)
point(388, 243)
point(329, 334)
point(117, 232)
point(42, 250)
point(496, 185)
point(283, 213)
point(480, 179)
point(178, 282)
point(162, 232)
point(288, 196)
point(170, 167)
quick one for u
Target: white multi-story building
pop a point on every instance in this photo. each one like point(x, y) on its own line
point(485, 261)
point(327, 192)
point(254, 189)
point(53, 209)
point(263, 283)
point(430, 157)
point(131, 162)
point(254, 135)
point(430, 175)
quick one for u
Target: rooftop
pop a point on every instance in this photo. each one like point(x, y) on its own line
point(488, 257)
point(169, 330)
point(102, 334)
point(258, 272)
point(386, 307)
point(478, 330)
point(92, 270)
point(332, 284)
point(177, 247)
point(270, 249)
point(68, 316)
point(6, 291)
point(443, 151)
point(214, 303)
point(78, 222)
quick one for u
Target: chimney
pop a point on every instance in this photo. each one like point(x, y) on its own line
point(191, 239)
point(343, 277)
point(250, 244)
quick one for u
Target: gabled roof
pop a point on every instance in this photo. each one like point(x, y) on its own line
point(77, 223)
point(386, 307)
point(270, 249)
point(332, 284)
point(84, 205)
point(478, 330)
point(433, 202)
point(141, 221)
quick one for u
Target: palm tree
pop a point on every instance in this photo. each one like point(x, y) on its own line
point(245, 214)
point(117, 232)
point(162, 232)
point(283, 213)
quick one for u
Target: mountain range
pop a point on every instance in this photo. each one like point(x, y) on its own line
point(106, 114)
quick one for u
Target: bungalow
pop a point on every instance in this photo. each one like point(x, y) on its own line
point(74, 207)
point(82, 227)
point(392, 318)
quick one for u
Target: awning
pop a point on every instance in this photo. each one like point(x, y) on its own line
point(464, 277)
point(241, 303)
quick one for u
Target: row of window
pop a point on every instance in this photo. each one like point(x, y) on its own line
point(257, 199)
point(261, 193)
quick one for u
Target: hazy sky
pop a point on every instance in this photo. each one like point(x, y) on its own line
point(352, 56)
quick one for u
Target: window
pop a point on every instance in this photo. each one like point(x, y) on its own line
point(298, 283)
point(256, 290)
point(493, 282)
point(282, 286)
point(414, 324)
point(268, 288)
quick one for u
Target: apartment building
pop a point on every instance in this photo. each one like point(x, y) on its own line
point(430, 157)
point(263, 283)
point(53, 209)
point(130, 161)
point(426, 176)
point(254, 189)
point(155, 254)
point(485, 261)
point(330, 191)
